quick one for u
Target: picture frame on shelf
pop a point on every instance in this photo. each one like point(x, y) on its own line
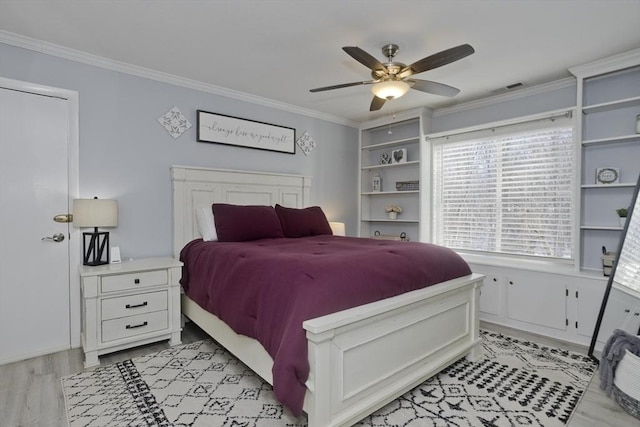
point(607, 175)
point(399, 156)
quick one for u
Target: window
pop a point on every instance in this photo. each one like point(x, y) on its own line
point(507, 190)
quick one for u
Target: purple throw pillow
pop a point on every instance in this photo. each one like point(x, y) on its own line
point(303, 222)
point(236, 223)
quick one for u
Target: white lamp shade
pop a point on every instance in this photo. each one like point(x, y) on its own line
point(337, 228)
point(95, 213)
point(390, 89)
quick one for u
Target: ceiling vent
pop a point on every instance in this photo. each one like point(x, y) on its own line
point(508, 88)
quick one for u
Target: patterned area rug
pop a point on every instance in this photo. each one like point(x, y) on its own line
point(515, 383)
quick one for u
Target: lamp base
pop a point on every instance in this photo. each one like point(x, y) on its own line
point(95, 248)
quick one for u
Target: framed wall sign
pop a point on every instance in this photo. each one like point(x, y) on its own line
point(221, 129)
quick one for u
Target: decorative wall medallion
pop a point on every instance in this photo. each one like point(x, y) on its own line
point(174, 122)
point(306, 143)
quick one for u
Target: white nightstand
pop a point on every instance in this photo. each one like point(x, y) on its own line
point(129, 304)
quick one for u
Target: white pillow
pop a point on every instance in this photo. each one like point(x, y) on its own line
point(206, 224)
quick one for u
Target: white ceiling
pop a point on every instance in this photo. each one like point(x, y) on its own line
point(279, 49)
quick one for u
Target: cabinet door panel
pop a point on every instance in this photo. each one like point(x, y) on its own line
point(537, 298)
point(490, 292)
point(589, 302)
point(622, 312)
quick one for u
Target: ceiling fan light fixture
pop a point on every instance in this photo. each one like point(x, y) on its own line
point(390, 89)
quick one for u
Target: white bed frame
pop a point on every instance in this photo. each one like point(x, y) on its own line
point(361, 358)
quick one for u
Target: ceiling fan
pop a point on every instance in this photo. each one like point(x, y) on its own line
point(390, 79)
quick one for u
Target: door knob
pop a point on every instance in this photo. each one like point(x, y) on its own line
point(58, 237)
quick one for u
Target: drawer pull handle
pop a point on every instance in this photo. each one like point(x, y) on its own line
point(136, 281)
point(137, 326)
point(144, 304)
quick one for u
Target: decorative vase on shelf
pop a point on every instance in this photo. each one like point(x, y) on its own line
point(623, 220)
point(393, 215)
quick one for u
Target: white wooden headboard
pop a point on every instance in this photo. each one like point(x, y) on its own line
point(195, 187)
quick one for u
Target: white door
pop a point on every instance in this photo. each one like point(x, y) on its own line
point(35, 316)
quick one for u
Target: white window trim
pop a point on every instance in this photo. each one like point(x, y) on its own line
point(506, 260)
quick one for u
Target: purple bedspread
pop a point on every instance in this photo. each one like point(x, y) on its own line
point(266, 288)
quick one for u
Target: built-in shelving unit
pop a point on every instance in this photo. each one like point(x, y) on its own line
point(608, 95)
point(378, 141)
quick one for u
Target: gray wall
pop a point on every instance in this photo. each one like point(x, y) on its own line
point(125, 154)
point(556, 99)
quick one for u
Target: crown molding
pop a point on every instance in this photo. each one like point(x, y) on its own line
point(504, 97)
point(607, 65)
point(52, 49)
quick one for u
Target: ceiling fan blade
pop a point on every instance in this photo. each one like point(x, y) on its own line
point(433, 87)
point(320, 89)
point(437, 60)
point(365, 59)
point(377, 103)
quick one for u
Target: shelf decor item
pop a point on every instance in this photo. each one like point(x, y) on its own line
point(607, 175)
point(393, 211)
point(407, 185)
point(399, 155)
point(378, 236)
point(607, 262)
point(385, 159)
point(622, 215)
point(638, 123)
point(376, 183)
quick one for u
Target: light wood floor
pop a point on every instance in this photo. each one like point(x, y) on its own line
point(31, 392)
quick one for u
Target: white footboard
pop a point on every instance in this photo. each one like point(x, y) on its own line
point(363, 358)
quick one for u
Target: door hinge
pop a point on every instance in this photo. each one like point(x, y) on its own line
point(566, 322)
point(566, 292)
point(576, 324)
point(576, 294)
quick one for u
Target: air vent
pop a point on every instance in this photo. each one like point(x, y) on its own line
point(507, 88)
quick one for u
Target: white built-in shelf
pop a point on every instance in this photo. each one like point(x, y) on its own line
point(593, 273)
point(612, 105)
point(391, 143)
point(410, 221)
point(601, 227)
point(612, 140)
point(386, 193)
point(604, 186)
point(392, 165)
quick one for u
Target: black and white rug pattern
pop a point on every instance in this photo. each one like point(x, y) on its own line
point(514, 383)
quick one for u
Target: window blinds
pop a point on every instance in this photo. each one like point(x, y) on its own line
point(506, 190)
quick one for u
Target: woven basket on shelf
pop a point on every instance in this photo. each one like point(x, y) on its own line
point(407, 185)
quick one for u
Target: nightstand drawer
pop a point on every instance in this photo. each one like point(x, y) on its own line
point(134, 325)
point(130, 305)
point(120, 282)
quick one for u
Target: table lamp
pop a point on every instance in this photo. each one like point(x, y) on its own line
point(337, 228)
point(95, 213)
